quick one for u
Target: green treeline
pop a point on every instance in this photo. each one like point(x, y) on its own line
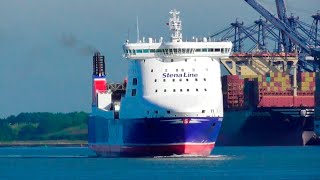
point(44, 126)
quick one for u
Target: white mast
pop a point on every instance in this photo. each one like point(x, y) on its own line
point(138, 33)
point(175, 26)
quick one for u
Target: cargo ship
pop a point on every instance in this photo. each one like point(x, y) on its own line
point(267, 101)
point(170, 104)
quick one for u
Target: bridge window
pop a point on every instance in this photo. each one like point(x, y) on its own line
point(133, 92)
point(217, 50)
point(146, 51)
point(134, 81)
point(204, 50)
point(152, 50)
point(198, 50)
point(210, 49)
point(139, 51)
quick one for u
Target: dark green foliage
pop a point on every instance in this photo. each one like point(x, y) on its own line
point(44, 126)
point(28, 132)
point(6, 133)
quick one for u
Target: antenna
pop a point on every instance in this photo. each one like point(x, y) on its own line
point(138, 33)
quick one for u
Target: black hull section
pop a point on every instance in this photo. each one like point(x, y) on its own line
point(266, 127)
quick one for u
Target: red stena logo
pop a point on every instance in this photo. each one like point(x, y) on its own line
point(186, 120)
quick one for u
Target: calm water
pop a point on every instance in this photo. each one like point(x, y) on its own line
point(225, 163)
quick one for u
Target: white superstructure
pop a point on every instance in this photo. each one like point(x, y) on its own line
point(173, 79)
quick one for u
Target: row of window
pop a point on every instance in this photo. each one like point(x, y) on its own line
point(168, 112)
point(177, 50)
point(181, 90)
point(134, 91)
point(173, 80)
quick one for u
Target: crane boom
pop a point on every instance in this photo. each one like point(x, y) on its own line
point(282, 15)
point(282, 26)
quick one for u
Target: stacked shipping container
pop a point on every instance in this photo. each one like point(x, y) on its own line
point(271, 90)
point(232, 88)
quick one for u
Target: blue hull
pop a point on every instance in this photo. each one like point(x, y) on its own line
point(153, 136)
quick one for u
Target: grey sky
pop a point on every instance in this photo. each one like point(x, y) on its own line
point(45, 59)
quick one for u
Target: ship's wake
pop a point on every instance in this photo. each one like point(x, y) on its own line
point(196, 157)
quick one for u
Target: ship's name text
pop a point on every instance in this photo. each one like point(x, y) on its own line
point(173, 75)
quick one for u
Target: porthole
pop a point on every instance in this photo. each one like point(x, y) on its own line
point(164, 80)
point(177, 70)
point(156, 90)
point(180, 79)
point(151, 70)
point(187, 90)
point(205, 89)
point(204, 79)
point(197, 90)
point(203, 111)
point(173, 80)
point(180, 90)
point(165, 90)
point(196, 79)
point(187, 79)
point(155, 80)
point(174, 90)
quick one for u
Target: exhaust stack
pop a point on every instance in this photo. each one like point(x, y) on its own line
point(99, 82)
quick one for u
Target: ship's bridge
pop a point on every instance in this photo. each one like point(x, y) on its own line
point(152, 49)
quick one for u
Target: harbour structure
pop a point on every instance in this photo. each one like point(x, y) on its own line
point(269, 96)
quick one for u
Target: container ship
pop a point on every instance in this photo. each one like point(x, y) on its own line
point(267, 102)
point(170, 104)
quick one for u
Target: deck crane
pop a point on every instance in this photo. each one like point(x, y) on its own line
point(285, 28)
